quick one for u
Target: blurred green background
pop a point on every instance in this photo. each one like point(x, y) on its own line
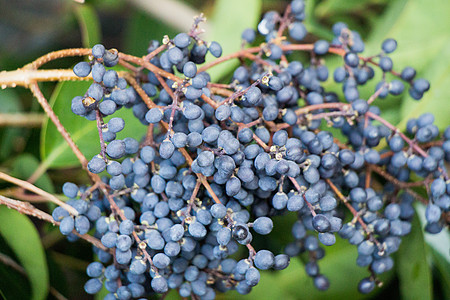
point(36, 262)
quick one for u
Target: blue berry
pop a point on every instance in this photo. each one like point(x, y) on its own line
point(115, 149)
point(321, 223)
point(297, 31)
point(182, 40)
point(248, 35)
point(215, 49)
point(263, 225)
point(252, 276)
point(327, 238)
point(93, 286)
point(67, 225)
point(386, 64)
point(389, 45)
point(189, 69)
point(264, 259)
point(94, 269)
point(98, 51)
point(321, 47)
point(408, 74)
point(366, 285)
point(110, 78)
point(159, 284)
point(82, 69)
point(351, 59)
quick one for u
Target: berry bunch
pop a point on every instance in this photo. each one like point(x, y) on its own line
point(220, 160)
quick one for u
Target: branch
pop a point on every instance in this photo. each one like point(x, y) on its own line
point(36, 190)
point(22, 120)
point(6, 260)
point(51, 114)
point(24, 77)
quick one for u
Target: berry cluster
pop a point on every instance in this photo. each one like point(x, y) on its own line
point(220, 160)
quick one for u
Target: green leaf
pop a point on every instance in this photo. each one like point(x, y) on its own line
point(414, 24)
point(293, 283)
point(2, 295)
point(24, 166)
point(140, 29)
point(54, 150)
point(89, 23)
point(443, 267)
point(385, 23)
point(438, 242)
point(102, 294)
point(23, 238)
point(11, 137)
point(436, 99)
point(14, 283)
point(333, 7)
point(412, 267)
point(229, 18)
point(313, 25)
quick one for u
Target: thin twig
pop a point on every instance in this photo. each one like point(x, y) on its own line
point(54, 118)
point(99, 120)
point(22, 120)
point(8, 261)
point(36, 190)
point(354, 213)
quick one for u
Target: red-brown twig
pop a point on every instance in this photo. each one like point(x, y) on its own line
point(99, 120)
point(36, 190)
point(354, 213)
point(28, 209)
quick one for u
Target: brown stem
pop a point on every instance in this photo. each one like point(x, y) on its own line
point(132, 81)
point(370, 60)
point(327, 115)
point(191, 201)
point(377, 93)
point(284, 22)
point(8, 261)
point(368, 177)
point(26, 208)
point(52, 290)
point(116, 210)
point(20, 194)
point(299, 189)
point(261, 143)
point(99, 119)
point(227, 57)
point(129, 66)
point(155, 52)
point(21, 120)
point(210, 101)
point(395, 181)
point(141, 62)
point(423, 146)
point(220, 91)
point(36, 190)
point(333, 105)
point(56, 55)
point(354, 213)
point(410, 142)
point(261, 61)
point(54, 118)
point(150, 104)
point(149, 135)
point(240, 93)
point(172, 113)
